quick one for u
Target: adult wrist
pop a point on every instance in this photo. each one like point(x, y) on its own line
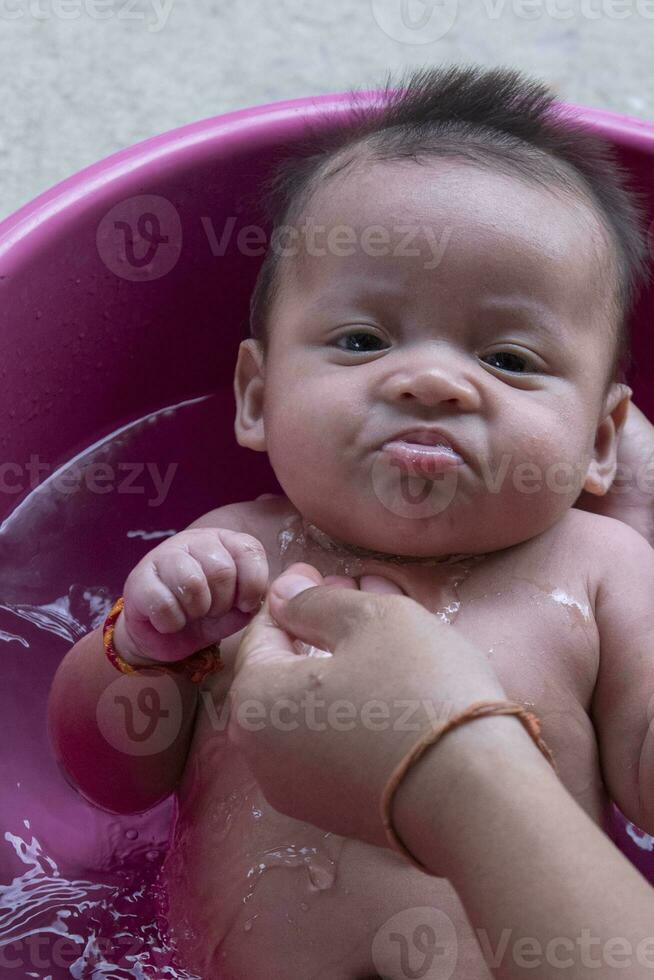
point(479, 763)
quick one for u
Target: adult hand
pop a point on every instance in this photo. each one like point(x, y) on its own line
point(631, 496)
point(482, 808)
point(324, 734)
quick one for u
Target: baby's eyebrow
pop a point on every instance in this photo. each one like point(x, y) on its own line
point(541, 317)
point(351, 294)
point(520, 310)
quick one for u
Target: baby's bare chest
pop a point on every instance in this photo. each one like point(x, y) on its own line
point(527, 610)
point(256, 870)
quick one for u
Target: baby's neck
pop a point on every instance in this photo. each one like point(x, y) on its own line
point(346, 549)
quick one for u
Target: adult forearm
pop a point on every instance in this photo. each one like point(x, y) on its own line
point(122, 740)
point(546, 891)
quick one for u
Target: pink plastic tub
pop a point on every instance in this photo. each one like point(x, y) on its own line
point(127, 345)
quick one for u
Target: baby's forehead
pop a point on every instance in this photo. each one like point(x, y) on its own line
point(403, 192)
point(452, 227)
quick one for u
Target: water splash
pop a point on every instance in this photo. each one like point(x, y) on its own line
point(70, 616)
point(319, 866)
point(9, 637)
point(578, 610)
point(54, 927)
point(151, 535)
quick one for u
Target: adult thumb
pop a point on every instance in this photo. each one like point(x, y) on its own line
point(319, 614)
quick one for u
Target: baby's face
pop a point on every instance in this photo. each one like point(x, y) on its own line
point(494, 330)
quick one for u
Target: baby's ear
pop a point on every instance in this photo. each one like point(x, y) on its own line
point(602, 467)
point(248, 392)
point(622, 399)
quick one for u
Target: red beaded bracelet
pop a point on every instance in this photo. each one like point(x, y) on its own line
point(196, 667)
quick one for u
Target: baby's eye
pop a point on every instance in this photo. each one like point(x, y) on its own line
point(361, 338)
point(514, 360)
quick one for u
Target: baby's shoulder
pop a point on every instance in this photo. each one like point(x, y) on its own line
point(580, 526)
point(595, 545)
point(596, 535)
point(580, 544)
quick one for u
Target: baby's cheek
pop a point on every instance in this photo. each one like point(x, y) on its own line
point(548, 461)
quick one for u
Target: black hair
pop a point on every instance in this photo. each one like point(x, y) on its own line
point(498, 118)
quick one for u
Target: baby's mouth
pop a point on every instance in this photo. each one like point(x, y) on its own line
point(421, 459)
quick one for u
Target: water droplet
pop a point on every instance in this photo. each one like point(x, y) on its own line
point(321, 876)
point(131, 834)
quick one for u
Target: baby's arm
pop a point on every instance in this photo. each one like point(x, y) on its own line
point(131, 781)
point(623, 700)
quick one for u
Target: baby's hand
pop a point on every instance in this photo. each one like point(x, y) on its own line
point(182, 595)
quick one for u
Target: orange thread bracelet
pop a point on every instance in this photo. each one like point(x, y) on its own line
point(196, 667)
point(478, 710)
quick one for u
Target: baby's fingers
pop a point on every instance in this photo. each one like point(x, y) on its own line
point(367, 583)
point(169, 591)
point(236, 567)
point(380, 584)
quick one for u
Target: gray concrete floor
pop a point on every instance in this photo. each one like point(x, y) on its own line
point(80, 79)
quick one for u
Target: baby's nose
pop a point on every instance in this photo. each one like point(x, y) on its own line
point(432, 383)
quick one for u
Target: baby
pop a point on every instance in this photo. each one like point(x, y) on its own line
point(433, 375)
